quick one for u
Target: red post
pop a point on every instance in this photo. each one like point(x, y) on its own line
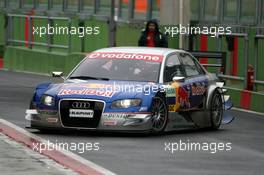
point(26, 28)
point(203, 47)
point(235, 57)
point(250, 78)
point(1, 63)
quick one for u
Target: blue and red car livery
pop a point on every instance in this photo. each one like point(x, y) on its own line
point(133, 89)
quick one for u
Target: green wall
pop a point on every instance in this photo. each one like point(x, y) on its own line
point(22, 59)
point(255, 103)
point(127, 35)
point(93, 42)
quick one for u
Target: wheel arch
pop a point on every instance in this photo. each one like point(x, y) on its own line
point(211, 90)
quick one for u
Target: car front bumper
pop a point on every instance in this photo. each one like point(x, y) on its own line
point(114, 121)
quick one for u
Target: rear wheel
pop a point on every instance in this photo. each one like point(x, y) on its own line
point(159, 114)
point(216, 110)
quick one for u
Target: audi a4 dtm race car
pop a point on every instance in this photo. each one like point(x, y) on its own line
point(133, 89)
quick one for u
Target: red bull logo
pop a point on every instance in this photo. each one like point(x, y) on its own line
point(183, 97)
point(86, 92)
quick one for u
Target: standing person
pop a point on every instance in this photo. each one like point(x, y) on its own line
point(152, 36)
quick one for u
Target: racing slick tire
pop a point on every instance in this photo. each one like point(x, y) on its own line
point(216, 110)
point(159, 115)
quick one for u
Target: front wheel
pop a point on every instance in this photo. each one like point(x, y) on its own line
point(159, 115)
point(216, 110)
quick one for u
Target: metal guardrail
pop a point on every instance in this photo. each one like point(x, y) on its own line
point(79, 6)
point(38, 43)
point(230, 77)
point(245, 50)
point(39, 17)
point(259, 82)
point(212, 55)
point(239, 79)
point(222, 57)
point(49, 44)
point(259, 35)
point(201, 6)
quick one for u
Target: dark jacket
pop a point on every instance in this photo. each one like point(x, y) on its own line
point(160, 39)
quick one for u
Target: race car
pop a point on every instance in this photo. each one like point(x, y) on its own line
point(132, 89)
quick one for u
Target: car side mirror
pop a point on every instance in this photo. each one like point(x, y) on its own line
point(57, 74)
point(177, 78)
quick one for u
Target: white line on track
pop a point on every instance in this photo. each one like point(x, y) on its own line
point(248, 111)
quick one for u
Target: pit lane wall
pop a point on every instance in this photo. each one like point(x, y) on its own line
point(37, 61)
point(248, 100)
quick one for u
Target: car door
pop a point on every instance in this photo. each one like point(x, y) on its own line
point(176, 96)
point(196, 82)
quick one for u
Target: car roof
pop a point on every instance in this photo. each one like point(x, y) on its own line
point(140, 50)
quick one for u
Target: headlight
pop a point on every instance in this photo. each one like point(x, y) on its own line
point(126, 103)
point(47, 100)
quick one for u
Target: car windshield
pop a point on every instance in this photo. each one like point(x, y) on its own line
point(117, 69)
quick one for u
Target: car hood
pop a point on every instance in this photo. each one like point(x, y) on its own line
point(102, 90)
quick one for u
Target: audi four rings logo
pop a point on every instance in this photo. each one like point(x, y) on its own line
point(81, 105)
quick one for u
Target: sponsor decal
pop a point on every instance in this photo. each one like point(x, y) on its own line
point(126, 56)
point(183, 97)
point(90, 86)
point(170, 91)
point(81, 113)
point(52, 120)
point(109, 123)
point(86, 92)
point(115, 115)
point(172, 108)
point(198, 90)
point(175, 106)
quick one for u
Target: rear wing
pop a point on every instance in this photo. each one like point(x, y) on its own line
point(220, 58)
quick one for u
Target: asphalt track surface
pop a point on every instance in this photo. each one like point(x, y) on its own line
point(130, 154)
